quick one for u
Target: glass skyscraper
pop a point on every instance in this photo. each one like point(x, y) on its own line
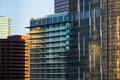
point(93, 51)
point(5, 24)
point(65, 6)
point(84, 57)
point(61, 6)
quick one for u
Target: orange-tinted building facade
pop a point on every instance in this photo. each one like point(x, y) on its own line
point(15, 58)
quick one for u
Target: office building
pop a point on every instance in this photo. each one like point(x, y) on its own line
point(61, 6)
point(5, 24)
point(95, 45)
point(93, 50)
point(111, 41)
point(84, 55)
point(49, 43)
point(15, 58)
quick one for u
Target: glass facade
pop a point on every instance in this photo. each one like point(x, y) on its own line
point(84, 58)
point(65, 6)
point(61, 6)
point(89, 43)
point(49, 42)
point(5, 24)
point(94, 50)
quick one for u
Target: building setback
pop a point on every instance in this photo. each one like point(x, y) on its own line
point(5, 24)
point(15, 58)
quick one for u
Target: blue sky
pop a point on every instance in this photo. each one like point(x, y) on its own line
point(21, 11)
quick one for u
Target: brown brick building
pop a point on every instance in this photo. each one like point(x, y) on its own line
point(15, 58)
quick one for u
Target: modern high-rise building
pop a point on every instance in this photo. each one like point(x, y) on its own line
point(111, 41)
point(84, 58)
point(49, 43)
point(61, 6)
point(65, 6)
point(5, 24)
point(15, 58)
point(93, 51)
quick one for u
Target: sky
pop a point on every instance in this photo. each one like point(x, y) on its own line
point(21, 11)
